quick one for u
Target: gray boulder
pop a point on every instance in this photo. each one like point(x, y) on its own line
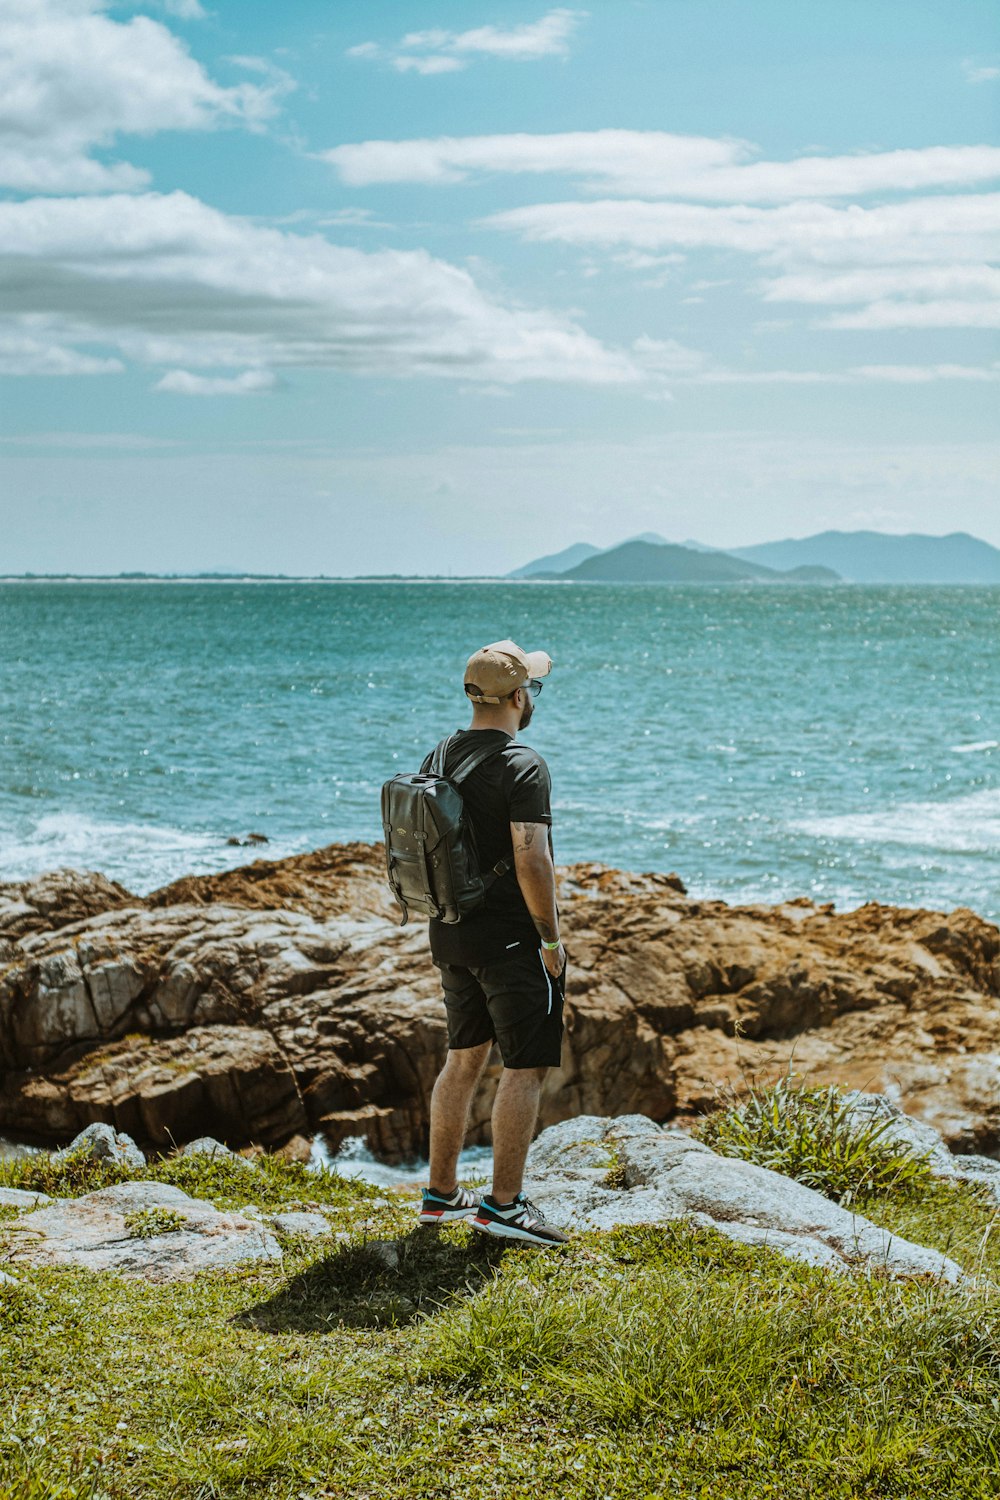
point(22, 1198)
point(206, 1145)
point(597, 1173)
point(922, 1139)
point(184, 1237)
point(301, 1223)
point(104, 1143)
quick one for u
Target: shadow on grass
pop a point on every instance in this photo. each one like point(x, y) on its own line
point(378, 1284)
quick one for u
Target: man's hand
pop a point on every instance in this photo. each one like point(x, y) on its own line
point(554, 960)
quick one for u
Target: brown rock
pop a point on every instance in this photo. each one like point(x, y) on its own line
point(56, 899)
point(283, 998)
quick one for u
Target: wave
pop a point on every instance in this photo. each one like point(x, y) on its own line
point(142, 856)
point(974, 747)
point(963, 825)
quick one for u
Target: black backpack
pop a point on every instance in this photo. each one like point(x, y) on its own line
point(430, 845)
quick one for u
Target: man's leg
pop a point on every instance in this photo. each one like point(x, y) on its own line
point(515, 1113)
point(450, 1103)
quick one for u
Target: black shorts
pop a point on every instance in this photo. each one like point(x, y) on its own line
point(515, 1002)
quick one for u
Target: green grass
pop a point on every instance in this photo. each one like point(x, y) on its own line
point(638, 1363)
point(147, 1222)
point(807, 1133)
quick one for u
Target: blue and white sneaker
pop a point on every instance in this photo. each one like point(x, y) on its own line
point(435, 1208)
point(519, 1220)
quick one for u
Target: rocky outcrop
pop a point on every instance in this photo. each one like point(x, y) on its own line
point(55, 900)
point(144, 1229)
point(281, 999)
point(598, 1173)
point(589, 1173)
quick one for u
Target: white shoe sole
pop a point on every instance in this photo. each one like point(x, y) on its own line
point(449, 1216)
point(511, 1232)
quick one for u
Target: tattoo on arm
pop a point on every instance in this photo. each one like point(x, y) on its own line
point(547, 931)
point(536, 877)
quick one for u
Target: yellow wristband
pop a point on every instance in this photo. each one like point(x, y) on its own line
point(552, 946)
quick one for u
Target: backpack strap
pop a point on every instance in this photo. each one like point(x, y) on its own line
point(465, 767)
point(472, 762)
point(440, 755)
point(420, 838)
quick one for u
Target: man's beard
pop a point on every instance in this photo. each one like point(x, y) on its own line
point(526, 712)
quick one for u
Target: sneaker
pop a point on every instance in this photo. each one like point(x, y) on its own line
point(435, 1208)
point(519, 1220)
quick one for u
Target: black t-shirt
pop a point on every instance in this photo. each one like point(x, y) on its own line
point(513, 786)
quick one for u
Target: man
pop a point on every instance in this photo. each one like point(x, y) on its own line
point(503, 966)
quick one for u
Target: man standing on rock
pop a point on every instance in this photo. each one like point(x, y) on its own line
point(503, 966)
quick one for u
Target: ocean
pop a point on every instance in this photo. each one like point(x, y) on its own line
point(763, 741)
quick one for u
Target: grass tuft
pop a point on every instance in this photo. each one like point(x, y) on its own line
point(809, 1134)
point(146, 1223)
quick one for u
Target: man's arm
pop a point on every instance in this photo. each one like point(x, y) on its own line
point(537, 878)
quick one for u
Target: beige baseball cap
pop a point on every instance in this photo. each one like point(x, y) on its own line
point(495, 671)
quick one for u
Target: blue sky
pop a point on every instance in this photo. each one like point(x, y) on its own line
point(439, 287)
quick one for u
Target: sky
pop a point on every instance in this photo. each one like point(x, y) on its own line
point(429, 286)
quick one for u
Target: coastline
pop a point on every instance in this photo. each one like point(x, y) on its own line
point(279, 1001)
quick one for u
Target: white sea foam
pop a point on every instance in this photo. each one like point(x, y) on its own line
point(962, 825)
point(355, 1160)
point(975, 747)
point(141, 856)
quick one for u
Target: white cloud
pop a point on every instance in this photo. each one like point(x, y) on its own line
point(923, 374)
point(979, 72)
point(547, 37)
point(658, 164)
point(247, 383)
point(167, 280)
point(20, 354)
point(72, 80)
point(434, 63)
point(912, 261)
point(184, 10)
point(667, 356)
point(895, 374)
point(957, 228)
point(945, 314)
point(871, 283)
point(934, 252)
point(440, 51)
point(352, 218)
point(83, 440)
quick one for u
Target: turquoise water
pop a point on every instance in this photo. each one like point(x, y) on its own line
point(763, 742)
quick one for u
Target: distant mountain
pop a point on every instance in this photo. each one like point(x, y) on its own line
point(875, 557)
point(556, 562)
point(561, 562)
point(648, 562)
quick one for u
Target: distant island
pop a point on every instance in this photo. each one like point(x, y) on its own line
point(827, 557)
point(662, 562)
